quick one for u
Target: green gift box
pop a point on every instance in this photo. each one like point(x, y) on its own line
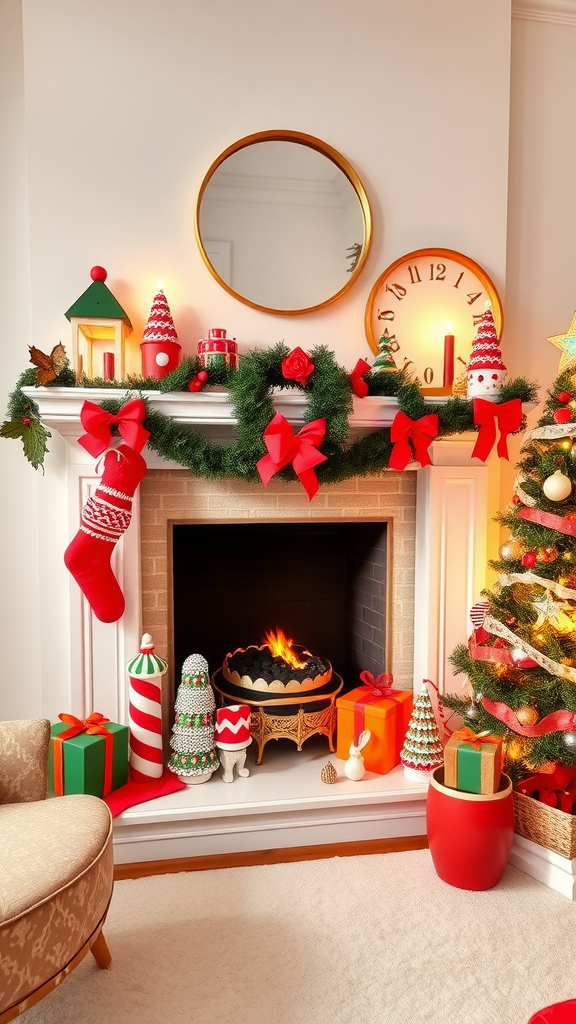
point(84, 765)
point(473, 765)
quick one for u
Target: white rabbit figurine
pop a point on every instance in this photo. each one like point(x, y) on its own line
point(354, 767)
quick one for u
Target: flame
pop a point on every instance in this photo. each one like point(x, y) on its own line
point(281, 647)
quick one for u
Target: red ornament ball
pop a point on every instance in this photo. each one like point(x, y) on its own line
point(195, 384)
point(202, 375)
point(529, 560)
point(562, 415)
point(564, 397)
point(516, 500)
point(98, 274)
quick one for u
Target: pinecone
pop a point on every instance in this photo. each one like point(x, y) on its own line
point(328, 773)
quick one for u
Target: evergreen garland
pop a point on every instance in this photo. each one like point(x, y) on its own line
point(250, 391)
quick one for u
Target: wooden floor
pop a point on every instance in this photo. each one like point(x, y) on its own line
point(285, 856)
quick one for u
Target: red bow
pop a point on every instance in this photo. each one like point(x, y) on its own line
point(97, 423)
point(557, 790)
point(376, 689)
point(421, 432)
point(359, 386)
point(380, 686)
point(284, 446)
point(486, 415)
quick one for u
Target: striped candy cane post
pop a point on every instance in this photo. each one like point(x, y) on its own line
point(145, 672)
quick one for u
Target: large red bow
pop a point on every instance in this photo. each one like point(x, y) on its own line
point(359, 385)
point(97, 423)
point(420, 432)
point(486, 415)
point(285, 446)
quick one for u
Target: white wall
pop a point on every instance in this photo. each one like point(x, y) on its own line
point(126, 106)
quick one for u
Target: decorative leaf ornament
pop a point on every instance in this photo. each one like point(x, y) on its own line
point(48, 366)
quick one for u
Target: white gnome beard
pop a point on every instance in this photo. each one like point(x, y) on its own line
point(485, 384)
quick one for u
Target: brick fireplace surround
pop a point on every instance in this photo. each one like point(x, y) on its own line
point(437, 543)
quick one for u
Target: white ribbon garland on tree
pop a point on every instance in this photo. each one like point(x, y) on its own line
point(530, 577)
point(498, 628)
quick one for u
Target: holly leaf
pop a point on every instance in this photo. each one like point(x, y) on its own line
point(48, 365)
point(34, 436)
point(12, 428)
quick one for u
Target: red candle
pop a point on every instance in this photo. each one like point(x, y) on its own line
point(108, 366)
point(448, 360)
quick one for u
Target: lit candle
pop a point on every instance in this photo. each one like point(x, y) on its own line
point(448, 360)
point(108, 366)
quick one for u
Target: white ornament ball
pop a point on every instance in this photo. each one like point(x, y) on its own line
point(557, 487)
point(162, 359)
point(570, 739)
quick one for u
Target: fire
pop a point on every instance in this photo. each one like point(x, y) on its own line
point(281, 647)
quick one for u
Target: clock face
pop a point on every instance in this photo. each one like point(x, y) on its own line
point(426, 303)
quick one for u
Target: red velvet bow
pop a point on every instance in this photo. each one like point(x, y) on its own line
point(97, 423)
point(486, 415)
point(359, 386)
point(420, 432)
point(376, 688)
point(284, 446)
point(379, 685)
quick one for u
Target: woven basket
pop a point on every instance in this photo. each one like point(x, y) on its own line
point(556, 830)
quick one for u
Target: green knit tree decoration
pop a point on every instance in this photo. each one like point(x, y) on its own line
point(422, 751)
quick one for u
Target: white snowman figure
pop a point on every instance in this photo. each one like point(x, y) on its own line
point(486, 371)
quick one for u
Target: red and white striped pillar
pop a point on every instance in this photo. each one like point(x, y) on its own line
point(145, 672)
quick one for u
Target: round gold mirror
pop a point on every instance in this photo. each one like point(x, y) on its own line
point(283, 222)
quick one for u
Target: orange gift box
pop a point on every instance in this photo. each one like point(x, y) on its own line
point(387, 718)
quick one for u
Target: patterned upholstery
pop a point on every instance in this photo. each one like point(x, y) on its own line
point(56, 867)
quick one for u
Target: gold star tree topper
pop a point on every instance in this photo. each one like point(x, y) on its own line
point(567, 344)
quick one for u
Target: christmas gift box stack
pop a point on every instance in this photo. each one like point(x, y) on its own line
point(87, 756)
point(380, 708)
point(473, 761)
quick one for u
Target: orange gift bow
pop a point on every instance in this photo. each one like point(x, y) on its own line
point(508, 415)
point(475, 738)
point(377, 688)
point(284, 446)
point(420, 432)
point(94, 726)
point(359, 385)
point(97, 423)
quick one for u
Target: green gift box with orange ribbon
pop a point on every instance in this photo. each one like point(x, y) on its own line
point(473, 761)
point(87, 756)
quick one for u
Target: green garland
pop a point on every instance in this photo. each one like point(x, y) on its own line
point(329, 393)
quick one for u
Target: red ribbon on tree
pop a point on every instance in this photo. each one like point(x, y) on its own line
point(558, 721)
point(563, 524)
point(508, 416)
point(359, 386)
point(97, 423)
point(284, 446)
point(420, 432)
point(377, 687)
point(498, 655)
point(94, 725)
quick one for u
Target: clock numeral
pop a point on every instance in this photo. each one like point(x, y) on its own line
point(407, 363)
point(463, 361)
point(397, 289)
point(386, 314)
point(459, 279)
point(440, 269)
point(414, 275)
point(472, 296)
point(428, 375)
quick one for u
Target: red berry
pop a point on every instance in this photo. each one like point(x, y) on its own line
point(529, 560)
point(26, 421)
point(195, 384)
point(564, 397)
point(562, 415)
point(98, 274)
point(202, 375)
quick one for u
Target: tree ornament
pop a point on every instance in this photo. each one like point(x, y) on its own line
point(547, 554)
point(511, 550)
point(422, 751)
point(527, 715)
point(511, 620)
point(564, 397)
point(563, 415)
point(570, 739)
point(516, 500)
point(471, 712)
point(515, 748)
point(328, 774)
point(557, 487)
point(384, 362)
point(529, 560)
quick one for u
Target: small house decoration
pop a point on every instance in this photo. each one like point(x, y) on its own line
point(99, 329)
point(159, 347)
point(486, 371)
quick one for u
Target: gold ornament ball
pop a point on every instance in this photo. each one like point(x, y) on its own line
point(328, 773)
point(557, 487)
point(511, 550)
point(515, 749)
point(527, 715)
point(547, 554)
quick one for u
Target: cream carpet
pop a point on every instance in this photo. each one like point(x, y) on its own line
point(356, 940)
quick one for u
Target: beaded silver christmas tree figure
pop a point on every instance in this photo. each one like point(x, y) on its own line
point(195, 757)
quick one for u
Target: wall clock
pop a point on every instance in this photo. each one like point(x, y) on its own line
point(426, 302)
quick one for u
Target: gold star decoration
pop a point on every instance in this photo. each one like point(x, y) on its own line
point(554, 613)
point(567, 344)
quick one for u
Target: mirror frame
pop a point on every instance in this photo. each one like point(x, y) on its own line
point(341, 163)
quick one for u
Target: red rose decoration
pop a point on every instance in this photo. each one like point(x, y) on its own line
point(297, 366)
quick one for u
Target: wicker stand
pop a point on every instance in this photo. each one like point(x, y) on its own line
point(268, 722)
point(556, 830)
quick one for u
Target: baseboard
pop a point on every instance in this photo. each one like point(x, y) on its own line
point(283, 856)
point(558, 873)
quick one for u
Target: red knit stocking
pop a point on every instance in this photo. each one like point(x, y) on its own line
point(105, 517)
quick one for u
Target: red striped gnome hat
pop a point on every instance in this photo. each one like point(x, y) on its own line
point(486, 354)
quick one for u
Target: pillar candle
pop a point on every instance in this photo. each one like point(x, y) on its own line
point(108, 366)
point(448, 360)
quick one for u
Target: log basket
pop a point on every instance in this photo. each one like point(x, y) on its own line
point(554, 829)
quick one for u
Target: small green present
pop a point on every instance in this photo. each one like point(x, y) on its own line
point(473, 761)
point(89, 756)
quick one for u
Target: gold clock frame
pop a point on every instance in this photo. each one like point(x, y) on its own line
point(440, 254)
point(285, 135)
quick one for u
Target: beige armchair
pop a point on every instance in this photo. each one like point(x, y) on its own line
point(56, 873)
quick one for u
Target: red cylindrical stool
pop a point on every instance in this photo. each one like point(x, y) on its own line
point(558, 1013)
point(469, 834)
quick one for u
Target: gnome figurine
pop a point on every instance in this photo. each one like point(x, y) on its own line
point(486, 371)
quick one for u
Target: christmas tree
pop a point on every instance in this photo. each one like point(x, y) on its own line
point(422, 750)
point(385, 360)
point(192, 741)
point(521, 657)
